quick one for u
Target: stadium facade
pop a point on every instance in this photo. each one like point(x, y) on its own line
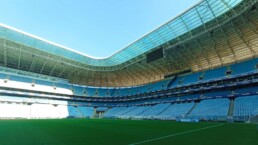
point(200, 65)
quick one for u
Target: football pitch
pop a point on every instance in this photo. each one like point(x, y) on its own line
point(124, 132)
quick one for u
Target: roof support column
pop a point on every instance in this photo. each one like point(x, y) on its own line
point(5, 53)
point(19, 61)
point(42, 68)
point(32, 62)
point(52, 70)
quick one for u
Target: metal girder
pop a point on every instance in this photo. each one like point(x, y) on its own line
point(167, 44)
point(119, 78)
point(194, 58)
point(199, 15)
point(75, 71)
point(213, 14)
point(150, 67)
point(42, 68)
point(53, 68)
point(159, 68)
point(130, 75)
point(179, 40)
point(182, 43)
point(141, 73)
point(215, 48)
point(180, 55)
point(203, 52)
point(135, 73)
point(63, 70)
point(32, 63)
point(251, 25)
point(171, 63)
point(241, 35)
point(225, 38)
point(187, 28)
point(115, 79)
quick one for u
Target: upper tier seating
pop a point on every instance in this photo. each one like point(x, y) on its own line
point(217, 93)
point(103, 92)
point(215, 73)
point(244, 67)
point(185, 79)
point(246, 90)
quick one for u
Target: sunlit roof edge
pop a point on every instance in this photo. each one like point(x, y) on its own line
point(48, 41)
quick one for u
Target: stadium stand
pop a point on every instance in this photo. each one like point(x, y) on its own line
point(87, 112)
point(176, 110)
point(74, 113)
point(155, 110)
point(14, 111)
point(246, 107)
point(211, 109)
point(135, 112)
point(208, 71)
point(43, 111)
point(111, 113)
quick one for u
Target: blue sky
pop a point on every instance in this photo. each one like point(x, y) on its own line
point(95, 27)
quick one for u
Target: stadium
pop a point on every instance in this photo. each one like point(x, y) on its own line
point(193, 80)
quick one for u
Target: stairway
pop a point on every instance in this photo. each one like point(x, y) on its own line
point(143, 111)
point(82, 115)
point(112, 92)
point(191, 109)
point(231, 108)
point(164, 110)
point(127, 111)
point(171, 81)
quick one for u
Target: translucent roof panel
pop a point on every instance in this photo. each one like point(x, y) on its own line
point(201, 13)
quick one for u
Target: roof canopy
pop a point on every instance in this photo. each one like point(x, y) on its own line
point(196, 16)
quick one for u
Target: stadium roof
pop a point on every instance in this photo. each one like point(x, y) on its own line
point(203, 37)
point(198, 15)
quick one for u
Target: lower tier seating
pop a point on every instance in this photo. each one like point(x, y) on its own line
point(136, 112)
point(155, 110)
point(113, 111)
point(241, 108)
point(20, 109)
point(211, 109)
point(246, 106)
point(73, 112)
point(86, 112)
point(176, 110)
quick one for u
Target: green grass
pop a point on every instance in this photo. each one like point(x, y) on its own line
point(124, 132)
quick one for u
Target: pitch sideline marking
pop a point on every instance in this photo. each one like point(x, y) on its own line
point(171, 135)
